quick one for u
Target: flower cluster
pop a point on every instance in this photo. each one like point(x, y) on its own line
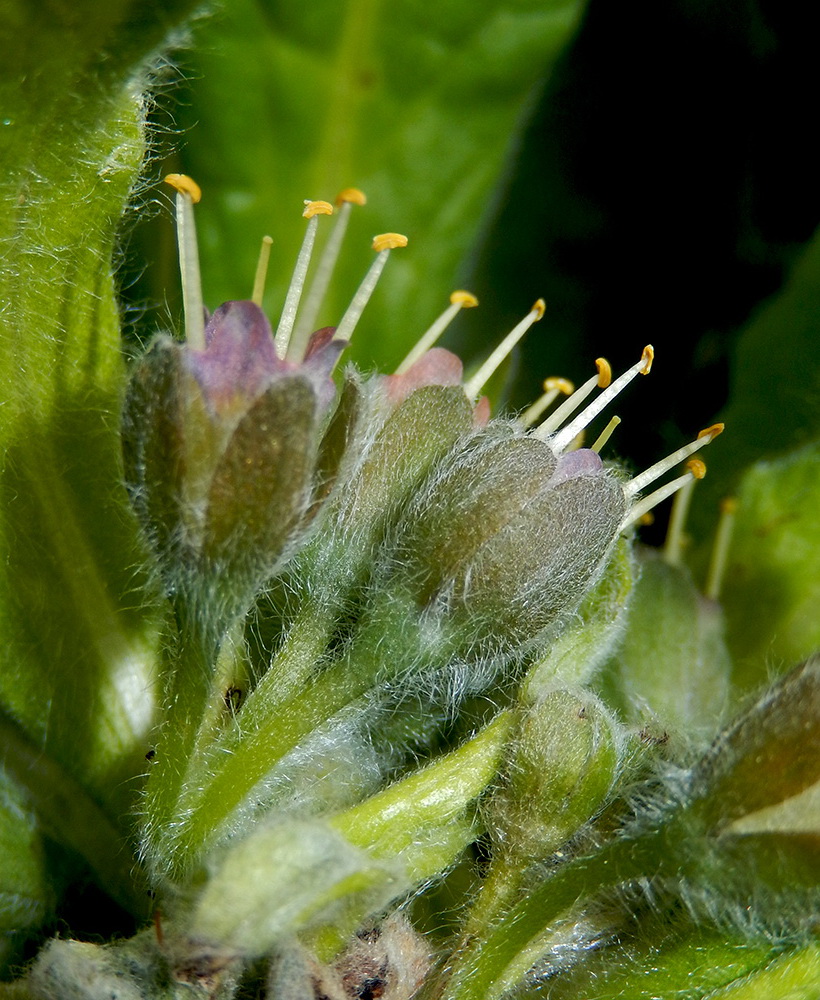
point(389, 535)
point(239, 452)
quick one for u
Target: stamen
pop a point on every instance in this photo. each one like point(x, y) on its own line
point(382, 244)
point(313, 209)
point(605, 435)
point(306, 322)
point(553, 388)
point(567, 434)
point(458, 301)
point(674, 544)
point(188, 193)
point(569, 406)
point(261, 270)
point(720, 551)
point(474, 385)
point(695, 470)
point(659, 468)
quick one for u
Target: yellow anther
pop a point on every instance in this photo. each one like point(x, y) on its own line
point(646, 519)
point(696, 467)
point(648, 356)
point(711, 432)
point(185, 185)
point(539, 307)
point(389, 241)
point(562, 385)
point(464, 299)
point(352, 195)
point(604, 372)
point(317, 208)
point(728, 505)
point(553, 388)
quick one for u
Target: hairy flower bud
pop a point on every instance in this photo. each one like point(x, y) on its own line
point(220, 443)
point(563, 762)
point(508, 535)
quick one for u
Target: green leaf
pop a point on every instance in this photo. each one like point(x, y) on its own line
point(418, 105)
point(795, 976)
point(672, 663)
point(775, 386)
point(25, 895)
point(76, 660)
point(684, 964)
point(772, 586)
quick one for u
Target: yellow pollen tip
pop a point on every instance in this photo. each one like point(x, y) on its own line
point(646, 519)
point(317, 208)
point(352, 195)
point(185, 185)
point(389, 241)
point(561, 384)
point(539, 307)
point(604, 372)
point(711, 432)
point(465, 299)
point(648, 356)
point(728, 505)
point(696, 467)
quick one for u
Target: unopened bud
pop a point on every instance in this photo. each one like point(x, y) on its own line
point(564, 759)
point(508, 538)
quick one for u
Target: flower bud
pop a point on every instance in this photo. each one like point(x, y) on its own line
point(318, 869)
point(577, 651)
point(508, 538)
point(563, 762)
point(219, 444)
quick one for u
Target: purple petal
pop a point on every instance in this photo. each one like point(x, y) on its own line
point(240, 358)
point(581, 462)
point(436, 367)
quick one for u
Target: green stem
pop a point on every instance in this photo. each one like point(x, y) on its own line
point(293, 665)
point(498, 892)
point(257, 752)
point(190, 666)
point(490, 965)
point(227, 774)
point(71, 818)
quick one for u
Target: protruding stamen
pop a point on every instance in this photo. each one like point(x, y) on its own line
point(474, 385)
point(695, 470)
point(659, 468)
point(674, 544)
point(382, 244)
point(605, 435)
point(261, 270)
point(188, 193)
point(569, 406)
point(458, 301)
point(306, 322)
point(553, 388)
point(313, 209)
point(720, 550)
point(568, 433)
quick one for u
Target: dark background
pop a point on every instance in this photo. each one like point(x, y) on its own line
point(667, 182)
